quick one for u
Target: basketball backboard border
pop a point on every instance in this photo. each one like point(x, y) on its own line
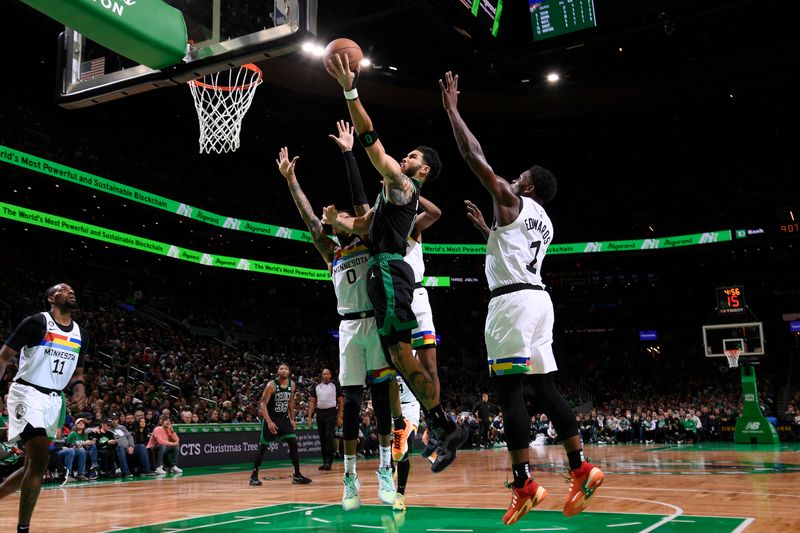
point(73, 93)
point(760, 326)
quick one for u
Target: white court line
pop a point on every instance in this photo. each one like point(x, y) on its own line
point(262, 523)
point(743, 525)
point(678, 511)
point(320, 520)
point(623, 525)
point(457, 530)
point(545, 529)
point(368, 527)
point(197, 516)
point(684, 521)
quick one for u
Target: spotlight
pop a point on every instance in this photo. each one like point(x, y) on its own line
point(365, 62)
point(553, 77)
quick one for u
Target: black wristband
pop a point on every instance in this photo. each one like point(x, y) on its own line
point(358, 196)
point(368, 138)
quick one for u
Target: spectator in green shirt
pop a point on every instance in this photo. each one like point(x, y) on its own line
point(83, 446)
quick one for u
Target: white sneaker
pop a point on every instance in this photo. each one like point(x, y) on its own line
point(386, 491)
point(176, 470)
point(160, 471)
point(350, 499)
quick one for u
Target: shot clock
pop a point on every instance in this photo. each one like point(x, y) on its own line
point(730, 300)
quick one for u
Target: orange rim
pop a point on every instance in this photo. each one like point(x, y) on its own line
point(248, 66)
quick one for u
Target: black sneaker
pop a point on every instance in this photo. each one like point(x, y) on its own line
point(448, 446)
point(255, 482)
point(300, 479)
point(431, 443)
point(325, 467)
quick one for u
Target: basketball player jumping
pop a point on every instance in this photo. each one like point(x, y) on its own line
point(390, 283)
point(278, 422)
point(360, 352)
point(52, 347)
point(519, 324)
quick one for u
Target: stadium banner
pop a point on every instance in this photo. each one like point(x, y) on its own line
point(223, 444)
point(66, 225)
point(79, 177)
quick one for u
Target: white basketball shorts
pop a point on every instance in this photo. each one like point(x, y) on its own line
point(27, 405)
point(360, 354)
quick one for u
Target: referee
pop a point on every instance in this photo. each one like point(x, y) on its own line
point(328, 403)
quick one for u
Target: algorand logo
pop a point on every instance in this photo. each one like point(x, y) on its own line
point(244, 264)
point(752, 426)
point(184, 210)
point(593, 247)
point(285, 233)
point(708, 237)
point(231, 223)
point(206, 260)
point(650, 244)
point(173, 251)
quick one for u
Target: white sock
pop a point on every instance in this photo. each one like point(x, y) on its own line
point(350, 464)
point(386, 456)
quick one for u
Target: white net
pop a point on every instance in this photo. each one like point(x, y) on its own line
point(733, 358)
point(221, 100)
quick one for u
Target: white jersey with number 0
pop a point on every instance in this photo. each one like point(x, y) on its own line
point(52, 362)
point(349, 272)
point(515, 252)
point(414, 259)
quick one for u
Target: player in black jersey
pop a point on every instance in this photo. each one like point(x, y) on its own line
point(277, 422)
point(390, 281)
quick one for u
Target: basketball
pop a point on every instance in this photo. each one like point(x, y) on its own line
point(343, 46)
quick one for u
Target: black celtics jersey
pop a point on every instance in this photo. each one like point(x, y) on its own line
point(392, 224)
point(278, 405)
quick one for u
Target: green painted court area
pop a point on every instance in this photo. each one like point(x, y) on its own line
point(331, 518)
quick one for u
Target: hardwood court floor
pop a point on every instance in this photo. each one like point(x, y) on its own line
point(707, 488)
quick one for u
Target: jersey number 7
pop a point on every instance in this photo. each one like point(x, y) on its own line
point(532, 265)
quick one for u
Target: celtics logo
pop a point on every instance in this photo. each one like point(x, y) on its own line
point(20, 411)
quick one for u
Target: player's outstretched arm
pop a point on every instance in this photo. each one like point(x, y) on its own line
point(344, 140)
point(430, 214)
point(344, 222)
point(470, 148)
point(322, 242)
point(476, 217)
point(399, 187)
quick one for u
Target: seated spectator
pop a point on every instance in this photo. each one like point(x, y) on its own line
point(186, 417)
point(79, 441)
point(141, 438)
point(124, 447)
point(11, 459)
point(106, 448)
point(165, 442)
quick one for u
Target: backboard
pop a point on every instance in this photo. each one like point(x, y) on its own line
point(222, 34)
point(747, 337)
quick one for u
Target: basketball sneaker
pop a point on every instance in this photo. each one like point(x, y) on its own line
point(386, 490)
point(430, 444)
point(350, 499)
point(448, 446)
point(583, 482)
point(255, 482)
point(523, 500)
point(400, 441)
point(300, 479)
point(399, 505)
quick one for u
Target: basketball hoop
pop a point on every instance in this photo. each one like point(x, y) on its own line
point(733, 357)
point(221, 100)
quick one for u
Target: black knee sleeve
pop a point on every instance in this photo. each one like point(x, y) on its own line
point(380, 403)
point(516, 421)
point(352, 408)
point(554, 406)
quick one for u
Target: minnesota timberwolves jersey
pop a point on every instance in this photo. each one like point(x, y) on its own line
point(52, 361)
point(414, 258)
point(515, 252)
point(349, 272)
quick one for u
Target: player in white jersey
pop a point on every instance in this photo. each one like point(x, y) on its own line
point(361, 358)
point(51, 347)
point(519, 324)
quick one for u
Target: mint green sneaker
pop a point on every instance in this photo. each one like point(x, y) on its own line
point(350, 499)
point(386, 490)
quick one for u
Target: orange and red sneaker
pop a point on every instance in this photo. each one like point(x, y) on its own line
point(583, 482)
point(523, 500)
point(400, 441)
